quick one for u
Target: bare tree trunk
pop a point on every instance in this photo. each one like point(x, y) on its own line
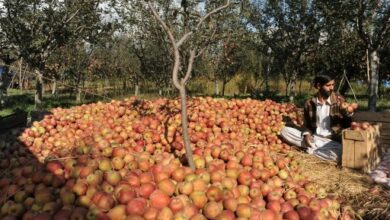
point(136, 90)
point(181, 86)
point(184, 122)
point(223, 87)
point(4, 80)
point(54, 87)
point(124, 85)
point(287, 82)
point(374, 80)
point(293, 86)
point(216, 87)
point(78, 95)
point(38, 90)
point(266, 77)
point(368, 61)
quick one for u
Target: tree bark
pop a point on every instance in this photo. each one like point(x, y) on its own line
point(216, 87)
point(38, 90)
point(54, 87)
point(136, 90)
point(291, 87)
point(374, 80)
point(124, 85)
point(78, 95)
point(4, 80)
point(266, 77)
point(184, 122)
point(223, 87)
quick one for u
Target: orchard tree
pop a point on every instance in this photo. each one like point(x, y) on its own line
point(146, 42)
point(289, 29)
point(226, 53)
point(373, 24)
point(187, 34)
point(39, 27)
point(9, 53)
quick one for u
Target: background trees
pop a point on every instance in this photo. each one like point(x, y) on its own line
point(37, 28)
point(117, 44)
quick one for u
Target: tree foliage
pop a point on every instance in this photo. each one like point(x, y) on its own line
point(263, 40)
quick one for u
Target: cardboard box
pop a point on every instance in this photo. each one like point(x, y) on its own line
point(361, 148)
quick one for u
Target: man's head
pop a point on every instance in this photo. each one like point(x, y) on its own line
point(324, 84)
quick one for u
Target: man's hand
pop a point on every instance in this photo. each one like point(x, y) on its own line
point(308, 139)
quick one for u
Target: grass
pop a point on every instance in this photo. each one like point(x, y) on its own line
point(24, 100)
point(201, 87)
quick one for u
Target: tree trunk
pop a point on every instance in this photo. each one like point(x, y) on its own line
point(223, 87)
point(374, 80)
point(54, 87)
point(136, 90)
point(291, 87)
point(292, 90)
point(216, 87)
point(4, 79)
point(266, 77)
point(107, 86)
point(184, 122)
point(38, 90)
point(287, 90)
point(124, 85)
point(78, 95)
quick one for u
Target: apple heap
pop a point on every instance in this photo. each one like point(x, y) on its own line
point(122, 160)
point(358, 126)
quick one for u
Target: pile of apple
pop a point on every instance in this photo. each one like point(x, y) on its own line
point(123, 160)
point(358, 126)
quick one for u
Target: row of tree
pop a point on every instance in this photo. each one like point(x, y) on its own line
point(82, 41)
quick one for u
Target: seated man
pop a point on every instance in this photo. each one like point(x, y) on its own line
point(324, 120)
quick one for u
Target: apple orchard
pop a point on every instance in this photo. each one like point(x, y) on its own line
point(125, 160)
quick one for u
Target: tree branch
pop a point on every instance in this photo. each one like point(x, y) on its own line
point(184, 38)
point(165, 26)
point(189, 67)
point(212, 12)
point(385, 27)
point(174, 45)
point(360, 18)
point(71, 17)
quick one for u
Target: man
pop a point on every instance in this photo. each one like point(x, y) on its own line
point(324, 120)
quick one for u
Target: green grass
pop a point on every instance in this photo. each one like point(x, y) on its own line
point(201, 87)
point(24, 100)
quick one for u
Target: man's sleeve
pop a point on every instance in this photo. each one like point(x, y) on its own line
point(307, 129)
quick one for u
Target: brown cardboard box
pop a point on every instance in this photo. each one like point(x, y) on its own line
point(361, 148)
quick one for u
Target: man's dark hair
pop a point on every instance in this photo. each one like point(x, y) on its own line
point(322, 80)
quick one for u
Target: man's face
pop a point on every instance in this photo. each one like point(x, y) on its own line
point(327, 89)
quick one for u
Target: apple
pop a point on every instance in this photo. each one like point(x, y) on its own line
point(199, 198)
point(136, 206)
point(212, 209)
point(167, 186)
point(159, 199)
point(117, 212)
point(244, 211)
